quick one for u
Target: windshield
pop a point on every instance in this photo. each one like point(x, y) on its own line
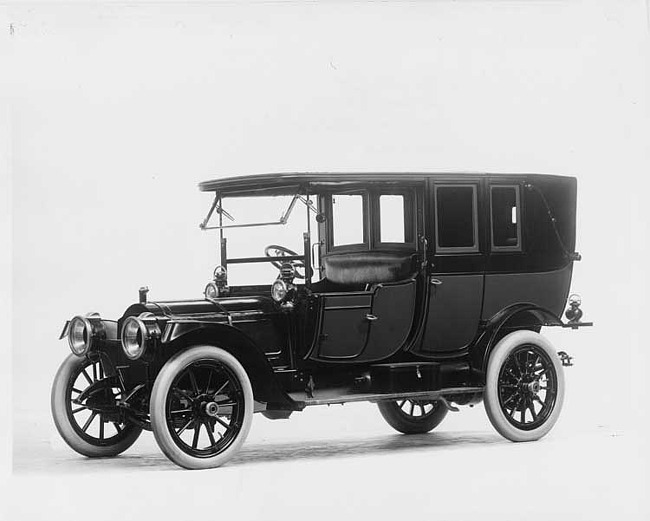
point(258, 222)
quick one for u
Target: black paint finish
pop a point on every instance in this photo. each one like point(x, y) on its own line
point(344, 326)
point(365, 326)
point(395, 316)
point(394, 306)
point(548, 289)
point(454, 311)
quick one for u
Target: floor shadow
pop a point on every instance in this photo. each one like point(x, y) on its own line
point(267, 452)
point(389, 444)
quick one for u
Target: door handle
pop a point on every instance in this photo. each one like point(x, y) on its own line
point(435, 281)
point(371, 318)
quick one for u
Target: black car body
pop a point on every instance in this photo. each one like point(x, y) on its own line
point(430, 291)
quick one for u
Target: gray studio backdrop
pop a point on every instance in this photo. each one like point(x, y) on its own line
point(119, 111)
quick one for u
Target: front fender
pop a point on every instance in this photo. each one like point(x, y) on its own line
point(266, 387)
point(523, 315)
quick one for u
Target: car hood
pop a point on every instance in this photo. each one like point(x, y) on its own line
point(204, 309)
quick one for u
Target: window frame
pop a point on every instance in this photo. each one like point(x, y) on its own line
point(361, 246)
point(475, 248)
point(410, 221)
point(372, 216)
point(507, 249)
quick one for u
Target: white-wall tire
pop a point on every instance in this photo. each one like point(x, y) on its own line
point(186, 397)
point(87, 432)
point(512, 389)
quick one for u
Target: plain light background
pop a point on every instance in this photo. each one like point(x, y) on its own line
point(115, 112)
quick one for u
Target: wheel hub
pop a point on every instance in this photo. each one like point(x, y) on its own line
point(529, 386)
point(211, 409)
point(534, 387)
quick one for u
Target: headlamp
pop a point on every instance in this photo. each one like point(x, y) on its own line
point(211, 291)
point(82, 331)
point(219, 286)
point(279, 290)
point(138, 334)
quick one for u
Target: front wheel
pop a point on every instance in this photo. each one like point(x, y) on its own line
point(413, 416)
point(84, 408)
point(524, 386)
point(201, 407)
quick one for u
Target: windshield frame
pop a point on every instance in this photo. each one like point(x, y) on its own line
point(217, 206)
point(305, 257)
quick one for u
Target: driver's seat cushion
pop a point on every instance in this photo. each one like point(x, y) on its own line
point(368, 267)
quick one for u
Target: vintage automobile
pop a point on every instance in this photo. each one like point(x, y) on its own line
point(416, 291)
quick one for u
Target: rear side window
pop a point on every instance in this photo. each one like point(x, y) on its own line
point(456, 218)
point(347, 217)
point(506, 218)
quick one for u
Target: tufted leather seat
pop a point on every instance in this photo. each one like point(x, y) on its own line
point(368, 267)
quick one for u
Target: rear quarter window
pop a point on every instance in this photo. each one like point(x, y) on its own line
point(505, 212)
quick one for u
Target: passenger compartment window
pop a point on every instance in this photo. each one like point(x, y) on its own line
point(506, 217)
point(347, 217)
point(457, 229)
point(391, 219)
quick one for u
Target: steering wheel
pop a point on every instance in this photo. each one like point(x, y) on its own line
point(274, 250)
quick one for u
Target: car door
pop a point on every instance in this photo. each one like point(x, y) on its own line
point(367, 296)
point(343, 303)
point(456, 265)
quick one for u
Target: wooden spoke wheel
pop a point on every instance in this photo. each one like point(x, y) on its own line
point(411, 416)
point(84, 408)
point(201, 407)
point(525, 386)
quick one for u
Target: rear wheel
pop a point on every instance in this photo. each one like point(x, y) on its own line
point(413, 416)
point(84, 408)
point(524, 386)
point(201, 407)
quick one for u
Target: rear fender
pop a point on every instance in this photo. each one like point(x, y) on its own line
point(263, 380)
point(523, 315)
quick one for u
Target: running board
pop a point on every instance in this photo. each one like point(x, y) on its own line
point(418, 395)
